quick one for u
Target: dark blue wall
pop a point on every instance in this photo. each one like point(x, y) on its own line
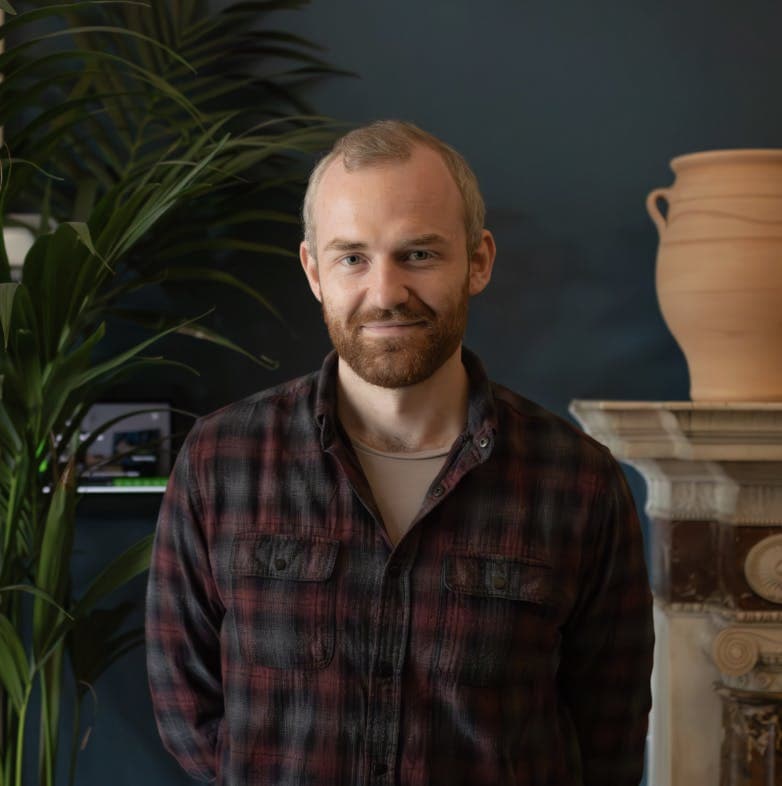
point(569, 113)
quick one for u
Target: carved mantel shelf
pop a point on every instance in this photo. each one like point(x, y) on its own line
point(685, 430)
point(714, 480)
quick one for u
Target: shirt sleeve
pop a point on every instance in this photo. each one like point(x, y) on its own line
point(607, 644)
point(183, 618)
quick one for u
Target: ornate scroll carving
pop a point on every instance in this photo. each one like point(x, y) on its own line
point(735, 651)
point(749, 658)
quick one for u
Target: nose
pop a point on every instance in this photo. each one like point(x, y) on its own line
point(388, 285)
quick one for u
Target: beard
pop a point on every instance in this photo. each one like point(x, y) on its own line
point(400, 361)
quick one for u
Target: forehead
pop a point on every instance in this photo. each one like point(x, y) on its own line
point(416, 194)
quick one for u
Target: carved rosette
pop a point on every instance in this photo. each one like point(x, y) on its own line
point(763, 568)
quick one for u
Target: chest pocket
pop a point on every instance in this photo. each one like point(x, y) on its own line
point(494, 622)
point(283, 595)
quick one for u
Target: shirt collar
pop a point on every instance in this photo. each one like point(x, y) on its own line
point(481, 409)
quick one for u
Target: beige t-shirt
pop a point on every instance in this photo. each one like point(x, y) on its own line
point(399, 482)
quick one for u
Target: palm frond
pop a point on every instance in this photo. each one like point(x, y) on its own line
point(152, 135)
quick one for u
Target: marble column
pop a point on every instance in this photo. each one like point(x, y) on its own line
point(714, 480)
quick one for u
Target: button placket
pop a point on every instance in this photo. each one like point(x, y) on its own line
point(385, 670)
point(384, 710)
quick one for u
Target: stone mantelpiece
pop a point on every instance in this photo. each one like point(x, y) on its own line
point(714, 480)
point(687, 430)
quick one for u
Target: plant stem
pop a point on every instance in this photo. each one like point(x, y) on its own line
point(20, 738)
point(75, 740)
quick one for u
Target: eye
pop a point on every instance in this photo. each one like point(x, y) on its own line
point(419, 255)
point(351, 260)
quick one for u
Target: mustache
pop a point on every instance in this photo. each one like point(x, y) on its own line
point(401, 314)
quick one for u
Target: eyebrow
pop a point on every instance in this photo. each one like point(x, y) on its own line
point(430, 239)
point(341, 244)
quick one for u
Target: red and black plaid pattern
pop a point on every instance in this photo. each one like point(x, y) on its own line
point(507, 639)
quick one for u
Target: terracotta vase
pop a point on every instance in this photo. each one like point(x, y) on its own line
point(719, 271)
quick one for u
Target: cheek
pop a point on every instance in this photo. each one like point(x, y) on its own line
point(339, 303)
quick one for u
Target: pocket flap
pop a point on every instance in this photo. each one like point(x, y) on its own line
point(498, 577)
point(283, 557)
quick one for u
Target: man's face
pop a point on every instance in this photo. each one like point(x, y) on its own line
point(391, 270)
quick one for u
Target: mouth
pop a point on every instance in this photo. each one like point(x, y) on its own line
point(387, 328)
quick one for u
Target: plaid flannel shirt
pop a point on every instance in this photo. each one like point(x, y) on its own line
point(507, 638)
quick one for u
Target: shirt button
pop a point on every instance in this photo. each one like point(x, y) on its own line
point(380, 768)
point(484, 442)
point(500, 582)
point(437, 491)
point(280, 563)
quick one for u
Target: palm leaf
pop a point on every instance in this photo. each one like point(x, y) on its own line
point(150, 168)
point(7, 292)
point(132, 562)
point(156, 321)
point(52, 571)
point(14, 673)
point(94, 643)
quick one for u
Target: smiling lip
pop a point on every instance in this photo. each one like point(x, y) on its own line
point(390, 326)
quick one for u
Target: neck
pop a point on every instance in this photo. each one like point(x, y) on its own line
point(425, 416)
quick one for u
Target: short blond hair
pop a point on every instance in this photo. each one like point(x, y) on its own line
point(394, 140)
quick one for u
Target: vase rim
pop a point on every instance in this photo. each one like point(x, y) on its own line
point(736, 154)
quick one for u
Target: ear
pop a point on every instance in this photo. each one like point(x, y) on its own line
point(310, 265)
point(482, 262)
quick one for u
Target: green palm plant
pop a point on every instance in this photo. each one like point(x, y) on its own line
point(153, 136)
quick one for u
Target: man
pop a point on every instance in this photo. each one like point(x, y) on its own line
point(394, 571)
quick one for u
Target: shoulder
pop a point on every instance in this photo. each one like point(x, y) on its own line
point(290, 404)
point(546, 437)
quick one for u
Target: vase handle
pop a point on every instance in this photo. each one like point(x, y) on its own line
point(653, 209)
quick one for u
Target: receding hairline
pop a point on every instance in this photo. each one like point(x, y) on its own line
point(336, 157)
point(421, 238)
point(389, 142)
